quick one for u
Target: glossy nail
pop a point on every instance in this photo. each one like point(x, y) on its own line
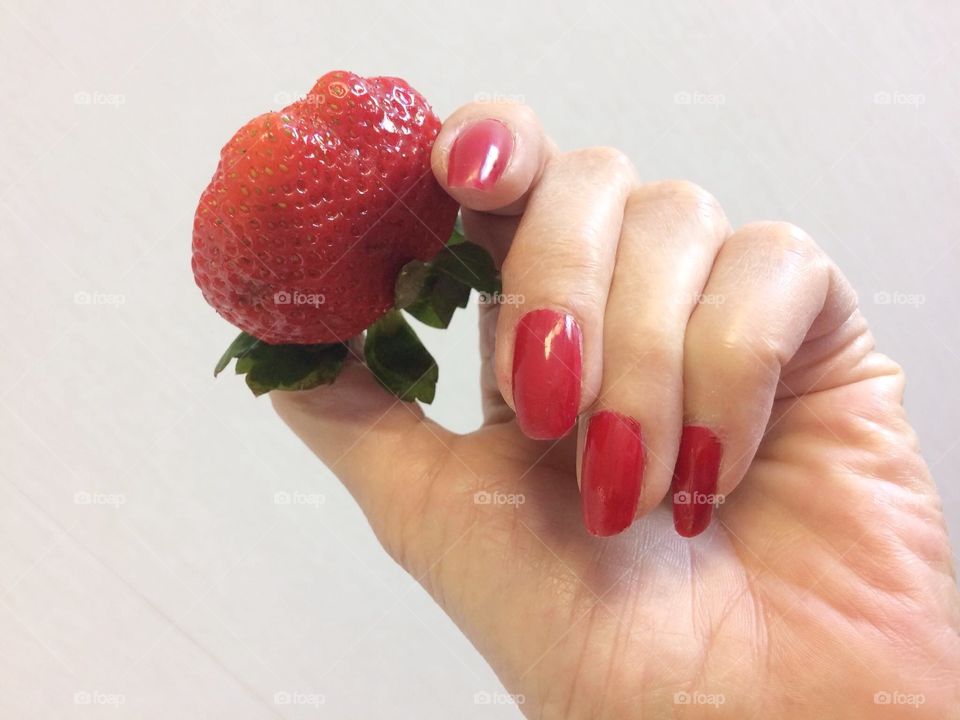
point(612, 472)
point(695, 480)
point(479, 155)
point(547, 367)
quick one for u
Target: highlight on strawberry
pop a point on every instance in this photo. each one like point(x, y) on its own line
point(323, 221)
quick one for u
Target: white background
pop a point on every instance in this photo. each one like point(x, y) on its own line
point(199, 596)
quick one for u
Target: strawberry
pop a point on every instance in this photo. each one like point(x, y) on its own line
point(314, 210)
point(324, 220)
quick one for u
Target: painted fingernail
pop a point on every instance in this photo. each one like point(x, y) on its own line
point(479, 155)
point(546, 373)
point(612, 472)
point(695, 480)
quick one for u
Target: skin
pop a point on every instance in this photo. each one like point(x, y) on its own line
point(825, 577)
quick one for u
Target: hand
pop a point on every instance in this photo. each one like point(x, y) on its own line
point(734, 365)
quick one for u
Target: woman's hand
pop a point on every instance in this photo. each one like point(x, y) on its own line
point(731, 365)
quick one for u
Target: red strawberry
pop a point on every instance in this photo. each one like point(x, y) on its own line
point(313, 211)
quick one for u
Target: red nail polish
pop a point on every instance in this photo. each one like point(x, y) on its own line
point(546, 373)
point(695, 480)
point(479, 155)
point(612, 472)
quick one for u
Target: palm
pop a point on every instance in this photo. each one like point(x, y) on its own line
point(828, 569)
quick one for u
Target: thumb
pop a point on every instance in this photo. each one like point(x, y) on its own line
point(383, 449)
point(489, 156)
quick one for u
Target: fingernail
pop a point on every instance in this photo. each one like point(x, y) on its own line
point(695, 480)
point(546, 373)
point(479, 155)
point(612, 472)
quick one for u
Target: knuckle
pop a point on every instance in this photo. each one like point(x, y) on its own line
point(604, 160)
point(784, 239)
point(689, 200)
point(687, 192)
point(737, 357)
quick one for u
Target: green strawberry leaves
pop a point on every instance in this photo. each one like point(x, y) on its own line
point(429, 291)
point(470, 264)
point(399, 360)
point(283, 367)
point(428, 295)
point(240, 346)
point(432, 291)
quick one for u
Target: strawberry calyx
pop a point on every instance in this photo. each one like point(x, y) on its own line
point(429, 291)
point(283, 367)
